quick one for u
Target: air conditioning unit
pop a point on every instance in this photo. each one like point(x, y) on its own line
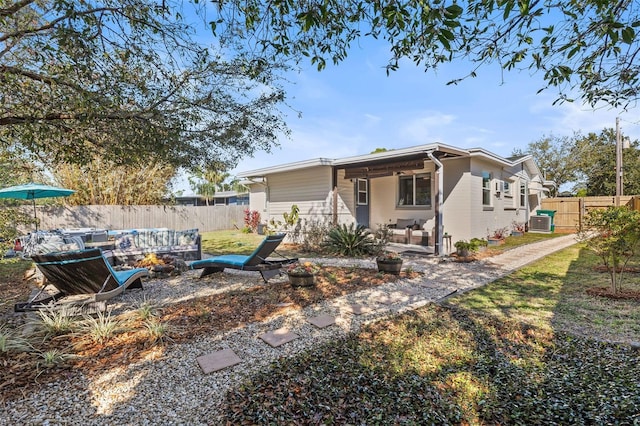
point(540, 223)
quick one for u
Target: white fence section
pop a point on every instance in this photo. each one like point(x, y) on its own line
point(205, 218)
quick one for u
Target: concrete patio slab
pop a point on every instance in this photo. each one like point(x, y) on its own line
point(218, 360)
point(278, 337)
point(322, 321)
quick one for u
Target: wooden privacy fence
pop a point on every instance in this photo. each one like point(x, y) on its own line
point(571, 210)
point(205, 218)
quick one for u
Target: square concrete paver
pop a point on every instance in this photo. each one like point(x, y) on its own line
point(278, 337)
point(322, 321)
point(389, 300)
point(218, 360)
point(411, 291)
point(358, 309)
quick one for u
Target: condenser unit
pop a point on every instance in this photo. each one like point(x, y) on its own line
point(540, 224)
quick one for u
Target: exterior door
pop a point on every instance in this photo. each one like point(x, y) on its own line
point(362, 202)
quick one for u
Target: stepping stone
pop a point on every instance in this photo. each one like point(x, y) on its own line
point(389, 300)
point(218, 360)
point(278, 337)
point(411, 291)
point(358, 309)
point(322, 321)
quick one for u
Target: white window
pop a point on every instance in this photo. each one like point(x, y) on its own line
point(363, 194)
point(523, 194)
point(486, 188)
point(415, 190)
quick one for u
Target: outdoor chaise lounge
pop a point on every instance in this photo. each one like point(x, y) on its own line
point(81, 272)
point(257, 261)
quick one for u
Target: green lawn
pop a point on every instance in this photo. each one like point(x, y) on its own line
point(527, 349)
point(229, 242)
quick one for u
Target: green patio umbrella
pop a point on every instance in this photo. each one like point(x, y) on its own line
point(31, 191)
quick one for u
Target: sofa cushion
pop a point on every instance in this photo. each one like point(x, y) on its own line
point(125, 242)
point(404, 223)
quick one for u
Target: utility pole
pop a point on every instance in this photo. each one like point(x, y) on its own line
point(619, 189)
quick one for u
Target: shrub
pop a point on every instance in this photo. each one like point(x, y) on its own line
point(614, 235)
point(314, 234)
point(101, 328)
point(499, 233)
point(476, 243)
point(381, 237)
point(252, 219)
point(350, 240)
point(10, 342)
point(54, 322)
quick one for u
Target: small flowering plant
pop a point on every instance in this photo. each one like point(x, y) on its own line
point(303, 268)
point(389, 256)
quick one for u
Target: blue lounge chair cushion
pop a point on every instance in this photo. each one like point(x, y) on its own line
point(123, 276)
point(228, 259)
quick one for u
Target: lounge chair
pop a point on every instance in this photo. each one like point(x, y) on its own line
point(257, 261)
point(81, 272)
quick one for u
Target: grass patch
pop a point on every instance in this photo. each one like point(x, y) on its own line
point(230, 242)
point(528, 238)
point(513, 352)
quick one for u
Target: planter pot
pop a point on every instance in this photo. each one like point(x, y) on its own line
point(495, 242)
point(462, 252)
point(517, 233)
point(389, 267)
point(302, 280)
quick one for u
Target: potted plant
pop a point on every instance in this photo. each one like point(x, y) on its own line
point(497, 237)
point(518, 229)
point(463, 247)
point(389, 262)
point(302, 274)
point(478, 244)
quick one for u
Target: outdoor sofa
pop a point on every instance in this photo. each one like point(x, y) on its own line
point(134, 244)
point(409, 231)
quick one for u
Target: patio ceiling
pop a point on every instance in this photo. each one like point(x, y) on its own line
point(381, 169)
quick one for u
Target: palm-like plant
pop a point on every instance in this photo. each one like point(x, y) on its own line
point(350, 240)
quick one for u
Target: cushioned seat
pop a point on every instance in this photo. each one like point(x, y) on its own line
point(257, 261)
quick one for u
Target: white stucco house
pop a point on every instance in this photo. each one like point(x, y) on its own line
point(464, 193)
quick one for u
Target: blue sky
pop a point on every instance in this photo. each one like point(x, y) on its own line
point(354, 107)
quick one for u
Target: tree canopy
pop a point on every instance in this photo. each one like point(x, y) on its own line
point(588, 45)
point(126, 80)
point(586, 161)
point(594, 159)
point(553, 157)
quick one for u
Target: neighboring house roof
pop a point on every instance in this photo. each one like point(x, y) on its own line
point(401, 157)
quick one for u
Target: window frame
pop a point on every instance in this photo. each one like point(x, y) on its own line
point(487, 178)
point(414, 192)
point(364, 191)
point(523, 194)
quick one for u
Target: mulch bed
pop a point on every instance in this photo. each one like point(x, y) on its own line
point(632, 269)
point(185, 320)
point(619, 295)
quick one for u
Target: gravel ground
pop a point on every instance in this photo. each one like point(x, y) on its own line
point(169, 388)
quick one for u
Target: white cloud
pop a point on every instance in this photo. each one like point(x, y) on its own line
point(427, 126)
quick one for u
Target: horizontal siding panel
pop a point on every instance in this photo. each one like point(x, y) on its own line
point(300, 185)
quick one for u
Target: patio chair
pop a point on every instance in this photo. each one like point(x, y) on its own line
point(80, 272)
point(257, 261)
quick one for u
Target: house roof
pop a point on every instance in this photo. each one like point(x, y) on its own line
point(396, 159)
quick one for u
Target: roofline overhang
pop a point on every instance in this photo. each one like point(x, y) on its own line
point(410, 153)
point(249, 174)
point(395, 154)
